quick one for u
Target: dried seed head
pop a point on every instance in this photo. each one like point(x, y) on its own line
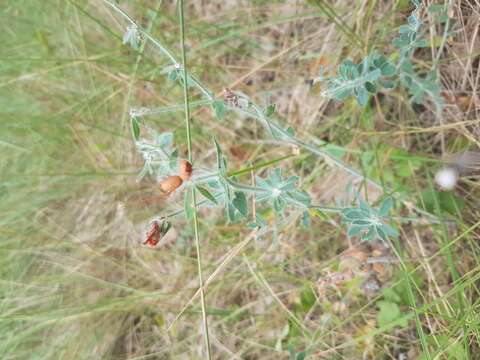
point(153, 235)
point(170, 184)
point(185, 170)
point(231, 97)
point(156, 232)
point(447, 178)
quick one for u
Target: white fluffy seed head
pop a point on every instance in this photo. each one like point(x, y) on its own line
point(446, 178)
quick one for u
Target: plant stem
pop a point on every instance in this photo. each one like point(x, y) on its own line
point(194, 200)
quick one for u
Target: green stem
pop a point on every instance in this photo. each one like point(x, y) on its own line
point(194, 200)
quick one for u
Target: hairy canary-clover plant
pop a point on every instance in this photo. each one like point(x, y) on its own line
point(215, 185)
point(376, 72)
point(219, 187)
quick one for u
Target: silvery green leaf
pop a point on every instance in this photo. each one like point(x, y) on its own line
point(226, 189)
point(165, 139)
point(165, 227)
point(390, 231)
point(240, 203)
point(381, 233)
point(387, 204)
point(270, 110)
point(230, 213)
point(207, 194)
point(276, 176)
point(132, 37)
point(290, 131)
point(388, 69)
point(352, 214)
point(221, 162)
point(361, 222)
point(289, 184)
point(214, 184)
point(361, 95)
point(414, 22)
point(401, 41)
point(161, 159)
point(135, 128)
point(369, 235)
point(355, 230)
point(364, 205)
point(372, 75)
point(348, 70)
point(173, 75)
point(300, 196)
point(306, 219)
point(278, 204)
point(370, 87)
point(219, 108)
point(261, 182)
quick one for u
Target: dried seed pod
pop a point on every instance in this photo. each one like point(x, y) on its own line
point(157, 232)
point(153, 236)
point(170, 184)
point(185, 170)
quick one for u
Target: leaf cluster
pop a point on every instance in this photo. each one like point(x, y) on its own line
point(160, 157)
point(361, 79)
point(274, 190)
point(367, 222)
point(132, 37)
point(376, 72)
